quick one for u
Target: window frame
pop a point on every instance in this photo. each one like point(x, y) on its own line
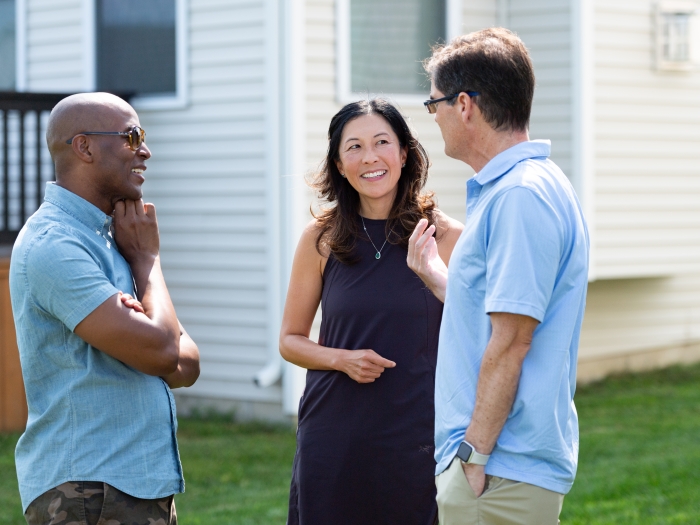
point(692, 10)
point(344, 94)
point(180, 98)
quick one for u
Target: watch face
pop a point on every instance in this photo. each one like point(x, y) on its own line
point(464, 451)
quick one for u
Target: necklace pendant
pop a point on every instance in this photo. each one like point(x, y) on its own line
point(378, 255)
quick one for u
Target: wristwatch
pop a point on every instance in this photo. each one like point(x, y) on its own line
point(468, 454)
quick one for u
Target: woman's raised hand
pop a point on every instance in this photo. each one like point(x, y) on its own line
point(364, 366)
point(423, 258)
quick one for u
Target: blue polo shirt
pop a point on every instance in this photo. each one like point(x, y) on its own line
point(524, 250)
point(91, 417)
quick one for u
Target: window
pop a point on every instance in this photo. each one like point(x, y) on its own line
point(677, 35)
point(140, 49)
point(381, 44)
point(7, 45)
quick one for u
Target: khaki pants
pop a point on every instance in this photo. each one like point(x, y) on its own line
point(504, 502)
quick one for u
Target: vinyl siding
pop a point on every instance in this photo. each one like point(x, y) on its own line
point(647, 151)
point(646, 200)
point(545, 27)
point(54, 42)
point(208, 180)
point(639, 324)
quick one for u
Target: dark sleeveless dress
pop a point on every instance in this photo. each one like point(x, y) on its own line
point(365, 451)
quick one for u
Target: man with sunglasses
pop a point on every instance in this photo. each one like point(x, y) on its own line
point(98, 365)
point(506, 430)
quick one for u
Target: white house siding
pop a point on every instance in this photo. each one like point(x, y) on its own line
point(546, 28)
point(644, 310)
point(54, 45)
point(208, 180)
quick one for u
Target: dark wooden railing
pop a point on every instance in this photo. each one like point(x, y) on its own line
point(26, 163)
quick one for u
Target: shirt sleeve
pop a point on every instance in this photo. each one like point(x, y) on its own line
point(523, 254)
point(64, 280)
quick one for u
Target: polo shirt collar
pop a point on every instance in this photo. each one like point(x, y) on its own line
point(77, 207)
point(504, 161)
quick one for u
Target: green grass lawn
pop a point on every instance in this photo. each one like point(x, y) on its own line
point(639, 460)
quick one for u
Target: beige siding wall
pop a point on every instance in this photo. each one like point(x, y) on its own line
point(637, 324)
point(646, 201)
point(647, 151)
point(54, 42)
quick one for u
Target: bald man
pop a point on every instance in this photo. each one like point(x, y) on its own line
point(99, 341)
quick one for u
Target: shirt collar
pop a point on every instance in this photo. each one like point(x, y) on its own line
point(504, 161)
point(77, 207)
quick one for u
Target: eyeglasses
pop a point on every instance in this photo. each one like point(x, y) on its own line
point(135, 135)
point(431, 104)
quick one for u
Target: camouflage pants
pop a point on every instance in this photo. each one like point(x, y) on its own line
point(97, 503)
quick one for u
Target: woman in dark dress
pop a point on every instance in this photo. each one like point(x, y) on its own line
point(365, 437)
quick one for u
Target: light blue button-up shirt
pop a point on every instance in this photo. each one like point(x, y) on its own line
point(524, 250)
point(91, 417)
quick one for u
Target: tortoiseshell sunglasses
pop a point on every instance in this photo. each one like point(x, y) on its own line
point(135, 135)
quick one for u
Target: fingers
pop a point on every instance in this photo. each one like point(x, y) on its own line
point(417, 232)
point(138, 207)
point(420, 243)
point(130, 302)
point(380, 361)
point(119, 210)
point(368, 366)
point(150, 209)
point(129, 208)
point(420, 238)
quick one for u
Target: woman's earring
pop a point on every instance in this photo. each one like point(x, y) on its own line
point(403, 165)
point(342, 175)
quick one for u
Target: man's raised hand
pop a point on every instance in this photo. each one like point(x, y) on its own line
point(423, 258)
point(136, 231)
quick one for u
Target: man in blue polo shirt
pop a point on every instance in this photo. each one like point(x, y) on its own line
point(98, 366)
point(506, 430)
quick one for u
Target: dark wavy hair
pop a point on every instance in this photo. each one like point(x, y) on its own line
point(338, 225)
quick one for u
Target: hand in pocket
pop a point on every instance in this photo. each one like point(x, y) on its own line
point(476, 477)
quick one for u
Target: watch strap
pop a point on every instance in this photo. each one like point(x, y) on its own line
point(474, 457)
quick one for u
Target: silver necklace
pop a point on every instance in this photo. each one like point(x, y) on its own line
point(378, 255)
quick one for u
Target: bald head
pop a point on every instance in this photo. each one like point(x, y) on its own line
point(79, 113)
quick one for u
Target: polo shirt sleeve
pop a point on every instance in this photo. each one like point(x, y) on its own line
point(523, 253)
point(64, 280)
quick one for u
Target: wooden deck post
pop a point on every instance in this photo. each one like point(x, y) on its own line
point(13, 403)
